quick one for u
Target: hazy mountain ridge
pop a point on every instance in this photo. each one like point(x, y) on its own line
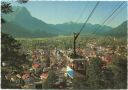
point(69, 28)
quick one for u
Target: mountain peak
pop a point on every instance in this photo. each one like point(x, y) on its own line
point(21, 10)
point(17, 12)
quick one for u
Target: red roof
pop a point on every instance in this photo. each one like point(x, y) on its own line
point(25, 76)
point(108, 58)
point(44, 75)
point(36, 65)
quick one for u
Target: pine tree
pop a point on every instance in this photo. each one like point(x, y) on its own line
point(119, 68)
point(94, 74)
point(108, 77)
point(52, 78)
point(10, 52)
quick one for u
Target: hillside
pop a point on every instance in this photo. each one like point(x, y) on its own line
point(15, 30)
point(20, 32)
point(120, 31)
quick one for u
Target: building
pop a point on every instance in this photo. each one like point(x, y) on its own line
point(44, 75)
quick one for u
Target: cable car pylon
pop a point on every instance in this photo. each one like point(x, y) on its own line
point(77, 34)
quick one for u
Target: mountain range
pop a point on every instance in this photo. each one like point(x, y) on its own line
point(21, 23)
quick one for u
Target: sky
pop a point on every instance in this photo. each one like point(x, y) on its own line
point(56, 12)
